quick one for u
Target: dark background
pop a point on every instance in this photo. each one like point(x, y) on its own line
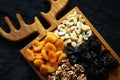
point(103, 14)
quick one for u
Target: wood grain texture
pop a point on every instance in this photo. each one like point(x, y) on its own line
point(24, 31)
point(114, 74)
point(15, 35)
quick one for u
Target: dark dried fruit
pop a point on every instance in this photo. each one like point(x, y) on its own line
point(95, 60)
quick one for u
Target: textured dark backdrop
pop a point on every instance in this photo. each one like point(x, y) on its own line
point(103, 14)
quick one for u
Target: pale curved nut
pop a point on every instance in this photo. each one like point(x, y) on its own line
point(71, 15)
point(62, 29)
point(67, 41)
point(66, 36)
point(74, 44)
point(56, 32)
point(89, 33)
point(77, 30)
point(78, 23)
point(85, 27)
point(73, 34)
point(71, 18)
point(82, 20)
point(85, 37)
point(62, 33)
point(65, 22)
point(61, 26)
point(75, 21)
point(62, 37)
point(80, 38)
point(68, 31)
point(72, 28)
point(74, 14)
point(74, 38)
point(71, 23)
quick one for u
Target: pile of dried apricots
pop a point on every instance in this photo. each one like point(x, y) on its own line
point(47, 54)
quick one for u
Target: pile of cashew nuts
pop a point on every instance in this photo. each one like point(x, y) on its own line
point(73, 30)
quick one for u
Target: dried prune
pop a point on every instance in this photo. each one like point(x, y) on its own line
point(73, 59)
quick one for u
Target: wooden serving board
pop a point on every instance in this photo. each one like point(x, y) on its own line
point(113, 76)
point(56, 7)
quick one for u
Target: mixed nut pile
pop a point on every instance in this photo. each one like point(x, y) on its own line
point(73, 30)
point(71, 52)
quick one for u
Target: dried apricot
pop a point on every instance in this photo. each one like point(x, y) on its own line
point(37, 46)
point(53, 34)
point(50, 47)
point(51, 66)
point(52, 57)
point(44, 68)
point(44, 54)
point(29, 54)
point(58, 53)
point(38, 62)
point(50, 38)
point(38, 56)
point(62, 56)
point(59, 44)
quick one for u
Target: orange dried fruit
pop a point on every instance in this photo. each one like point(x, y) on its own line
point(38, 62)
point(50, 47)
point(52, 57)
point(53, 34)
point(44, 54)
point(38, 56)
point(44, 68)
point(37, 46)
point(58, 53)
point(59, 44)
point(50, 38)
point(52, 67)
point(62, 56)
point(29, 54)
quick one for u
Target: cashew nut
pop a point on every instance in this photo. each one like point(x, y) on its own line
point(60, 26)
point(89, 33)
point(79, 39)
point(67, 36)
point(73, 30)
point(67, 41)
point(61, 33)
point(56, 32)
point(62, 37)
point(74, 38)
point(73, 44)
point(85, 28)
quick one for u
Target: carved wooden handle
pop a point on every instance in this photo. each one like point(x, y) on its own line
point(24, 31)
point(56, 7)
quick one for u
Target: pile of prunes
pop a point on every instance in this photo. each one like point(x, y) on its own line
point(89, 54)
